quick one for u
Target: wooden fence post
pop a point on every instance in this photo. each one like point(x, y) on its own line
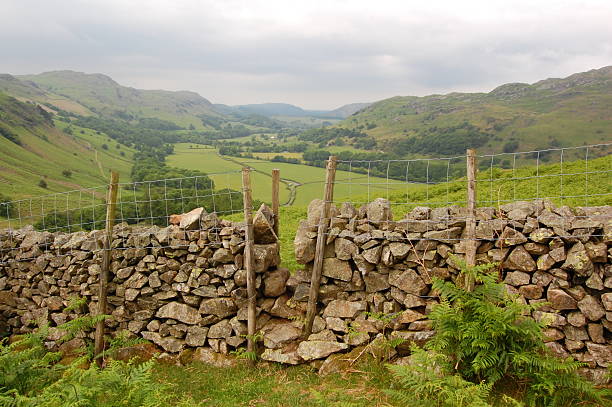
point(275, 199)
point(111, 204)
point(317, 268)
point(470, 254)
point(248, 260)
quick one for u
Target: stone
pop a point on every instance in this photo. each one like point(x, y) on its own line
point(220, 307)
point(265, 256)
point(591, 308)
point(517, 278)
point(519, 259)
point(278, 356)
point(345, 249)
point(337, 269)
point(596, 333)
point(408, 316)
point(191, 219)
point(597, 252)
point(277, 334)
point(336, 324)
point(263, 221)
point(304, 244)
point(376, 282)
point(531, 291)
point(578, 260)
point(560, 300)
point(408, 281)
point(275, 282)
point(576, 319)
point(344, 309)
point(372, 255)
point(510, 237)
point(347, 210)
point(399, 250)
point(541, 278)
point(196, 336)
point(379, 210)
point(602, 354)
point(545, 262)
point(311, 350)
point(448, 236)
point(324, 335)
point(222, 256)
point(222, 329)
point(169, 344)
point(180, 312)
point(541, 235)
point(606, 299)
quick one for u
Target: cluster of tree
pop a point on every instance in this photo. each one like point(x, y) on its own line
point(138, 135)
point(442, 140)
point(158, 124)
point(283, 159)
point(325, 136)
point(9, 135)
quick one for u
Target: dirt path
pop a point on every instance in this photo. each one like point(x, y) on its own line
point(290, 184)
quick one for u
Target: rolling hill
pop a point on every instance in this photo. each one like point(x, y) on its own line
point(513, 117)
point(35, 148)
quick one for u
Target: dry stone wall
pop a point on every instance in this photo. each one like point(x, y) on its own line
point(181, 286)
point(561, 256)
point(184, 286)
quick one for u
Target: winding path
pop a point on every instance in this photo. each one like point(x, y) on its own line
point(290, 184)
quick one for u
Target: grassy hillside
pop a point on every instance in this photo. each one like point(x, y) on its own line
point(102, 95)
point(513, 117)
point(39, 150)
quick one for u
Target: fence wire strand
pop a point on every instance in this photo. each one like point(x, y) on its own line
point(51, 221)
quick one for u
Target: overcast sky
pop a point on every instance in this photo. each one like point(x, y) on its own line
point(315, 54)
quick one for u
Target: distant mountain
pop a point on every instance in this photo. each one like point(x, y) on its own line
point(348, 110)
point(285, 109)
point(512, 117)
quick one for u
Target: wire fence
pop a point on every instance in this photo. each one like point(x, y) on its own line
point(72, 221)
point(430, 195)
point(576, 176)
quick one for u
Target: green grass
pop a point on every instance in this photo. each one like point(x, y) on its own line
point(271, 385)
point(312, 178)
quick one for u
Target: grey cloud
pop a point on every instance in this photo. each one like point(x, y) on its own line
point(367, 57)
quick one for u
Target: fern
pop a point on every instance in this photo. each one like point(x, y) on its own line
point(484, 335)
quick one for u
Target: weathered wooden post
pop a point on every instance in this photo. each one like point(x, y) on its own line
point(470, 224)
point(248, 260)
point(317, 268)
point(275, 199)
point(111, 204)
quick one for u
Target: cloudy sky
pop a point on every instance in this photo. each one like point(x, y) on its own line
point(316, 54)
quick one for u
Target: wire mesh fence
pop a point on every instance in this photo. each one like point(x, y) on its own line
point(71, 221)
point(430, 195)
point(430, 191)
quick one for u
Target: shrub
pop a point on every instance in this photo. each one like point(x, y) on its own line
point(485, 335)
point(67, 173)
point(42, 183)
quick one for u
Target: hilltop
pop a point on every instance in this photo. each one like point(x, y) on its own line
point(512, 117)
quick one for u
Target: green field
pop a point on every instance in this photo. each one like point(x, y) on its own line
point(309, 180)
